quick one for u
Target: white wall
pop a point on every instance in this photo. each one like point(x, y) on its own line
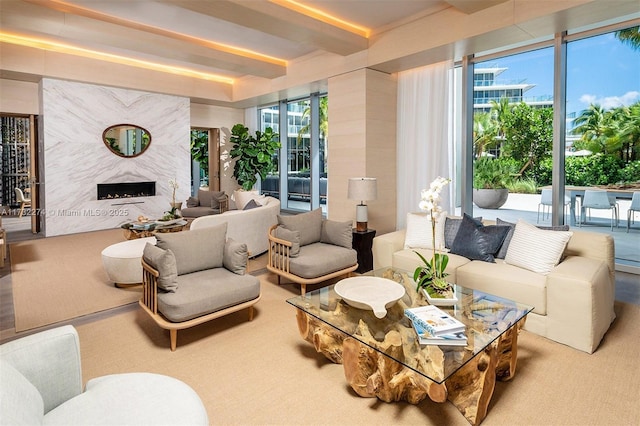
point(75, 160)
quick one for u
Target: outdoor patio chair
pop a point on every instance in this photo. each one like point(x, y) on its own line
point(633, 209)
point(599, 200)
point(546, 202)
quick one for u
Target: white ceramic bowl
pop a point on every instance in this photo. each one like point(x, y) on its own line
point(372, 293)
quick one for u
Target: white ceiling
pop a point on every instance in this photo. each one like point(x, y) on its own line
point(231, 38)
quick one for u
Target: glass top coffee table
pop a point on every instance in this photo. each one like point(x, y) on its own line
point(364, 344)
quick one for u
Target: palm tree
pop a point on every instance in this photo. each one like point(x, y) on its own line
point(630, 36)
point(484, 132)
point(629, 128)
point(591, 125)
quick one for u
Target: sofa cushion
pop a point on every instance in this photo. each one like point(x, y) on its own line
point(508, 281)
point(451, 226)
point(197, 297)
point(235, 256)
point(420, 233)
point(20, 401)
point(291, 236)
point(164, 262)
point(407, 260)
point(478, 242)
point(309, 225)
point(536, 249)
point(505, 245)
point(337, 233)
point(319, 259)
point(196, 249)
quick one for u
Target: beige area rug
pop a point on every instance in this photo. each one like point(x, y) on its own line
point(263, 373)
point(58, 278)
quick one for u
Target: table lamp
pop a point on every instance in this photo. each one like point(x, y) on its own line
point(363, 189)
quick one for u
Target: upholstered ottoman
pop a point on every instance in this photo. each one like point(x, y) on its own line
point(122, 261)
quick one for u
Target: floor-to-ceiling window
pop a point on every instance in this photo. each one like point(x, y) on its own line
point(561, 115)
point(302, 162)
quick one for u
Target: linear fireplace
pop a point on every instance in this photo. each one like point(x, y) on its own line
point(107, 191)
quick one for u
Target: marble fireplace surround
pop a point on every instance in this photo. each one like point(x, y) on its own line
point(74, 159)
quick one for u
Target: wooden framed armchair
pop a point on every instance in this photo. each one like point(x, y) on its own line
point(309, 250)
point(195, 276)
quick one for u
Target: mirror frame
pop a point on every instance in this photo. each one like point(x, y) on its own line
point(120, 154)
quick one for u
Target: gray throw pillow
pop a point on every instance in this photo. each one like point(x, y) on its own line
point(478, 242)
point(209, 198)
point(451, 226)
point(308, 224)
point(252, 204)
point(502, 253)
point(337, 233)
point(235, 256)
point(196, 249)
point(291, 236)
point(193, 202)
point(164, 262)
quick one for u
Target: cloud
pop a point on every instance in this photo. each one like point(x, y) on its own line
point(609, 102)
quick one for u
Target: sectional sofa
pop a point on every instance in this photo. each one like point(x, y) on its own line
point(573, 302)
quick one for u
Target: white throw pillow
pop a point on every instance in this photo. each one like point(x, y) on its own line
point(536, 249)
point(241, 198)
point(419, 232)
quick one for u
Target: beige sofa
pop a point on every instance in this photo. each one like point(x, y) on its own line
point(573, 303)
point(250, 226)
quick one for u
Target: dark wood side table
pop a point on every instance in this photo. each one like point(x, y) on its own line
point(362, 243)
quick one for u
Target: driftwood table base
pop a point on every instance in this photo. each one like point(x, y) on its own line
point(373, 374)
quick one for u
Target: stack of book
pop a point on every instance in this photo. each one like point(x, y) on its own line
point(436, 327)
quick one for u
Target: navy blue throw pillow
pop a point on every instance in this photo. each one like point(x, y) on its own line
point(478, 242)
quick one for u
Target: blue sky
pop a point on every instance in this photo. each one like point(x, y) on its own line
point(599, 70)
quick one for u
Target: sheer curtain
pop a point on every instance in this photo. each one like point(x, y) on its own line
point(424, 140)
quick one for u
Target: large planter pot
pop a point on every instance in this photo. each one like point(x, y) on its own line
point(490, 198)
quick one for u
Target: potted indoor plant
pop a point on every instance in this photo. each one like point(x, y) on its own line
point(490, 180)
point(430, 276)
point(254, 155)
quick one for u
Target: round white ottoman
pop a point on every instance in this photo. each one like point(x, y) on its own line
point(122, 261)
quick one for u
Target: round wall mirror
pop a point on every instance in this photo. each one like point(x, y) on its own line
point(126, 140)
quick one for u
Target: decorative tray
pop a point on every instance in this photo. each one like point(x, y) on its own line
point(439, 301)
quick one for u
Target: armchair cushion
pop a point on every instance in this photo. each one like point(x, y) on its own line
point(320, 259)
point(235, 256)
point(209, 198)
point(337, 233)
point(193, 202)
point(164, 262)
point(308, 224)
point(20, 401)
point(291, 236)
point(196, 249)
point(207, 291)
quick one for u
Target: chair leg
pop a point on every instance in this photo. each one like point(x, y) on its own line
point(251, 313)
point(21, 209)
point(173, 336)
point(303, 289)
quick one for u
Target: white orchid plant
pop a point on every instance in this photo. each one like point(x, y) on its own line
point(431, 276)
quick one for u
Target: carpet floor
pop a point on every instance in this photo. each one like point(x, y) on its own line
point(263, 373)
point(59, 278)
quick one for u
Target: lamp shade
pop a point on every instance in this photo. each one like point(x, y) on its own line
point(363, 189)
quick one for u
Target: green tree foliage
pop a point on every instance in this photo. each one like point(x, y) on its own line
point(254, 155)
point(200, 149)
point(630, 36)
point(485, 130)
point(528, 136)
point(597, 169)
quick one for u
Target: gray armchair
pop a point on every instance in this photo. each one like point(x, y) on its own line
point(41, 383)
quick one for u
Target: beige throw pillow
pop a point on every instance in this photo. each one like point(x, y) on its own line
point(196, 249)
point(337, 233)
point(235, 256)
point(291, 236)
point(308, 224)
point(536, 249)
point(164, 262)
